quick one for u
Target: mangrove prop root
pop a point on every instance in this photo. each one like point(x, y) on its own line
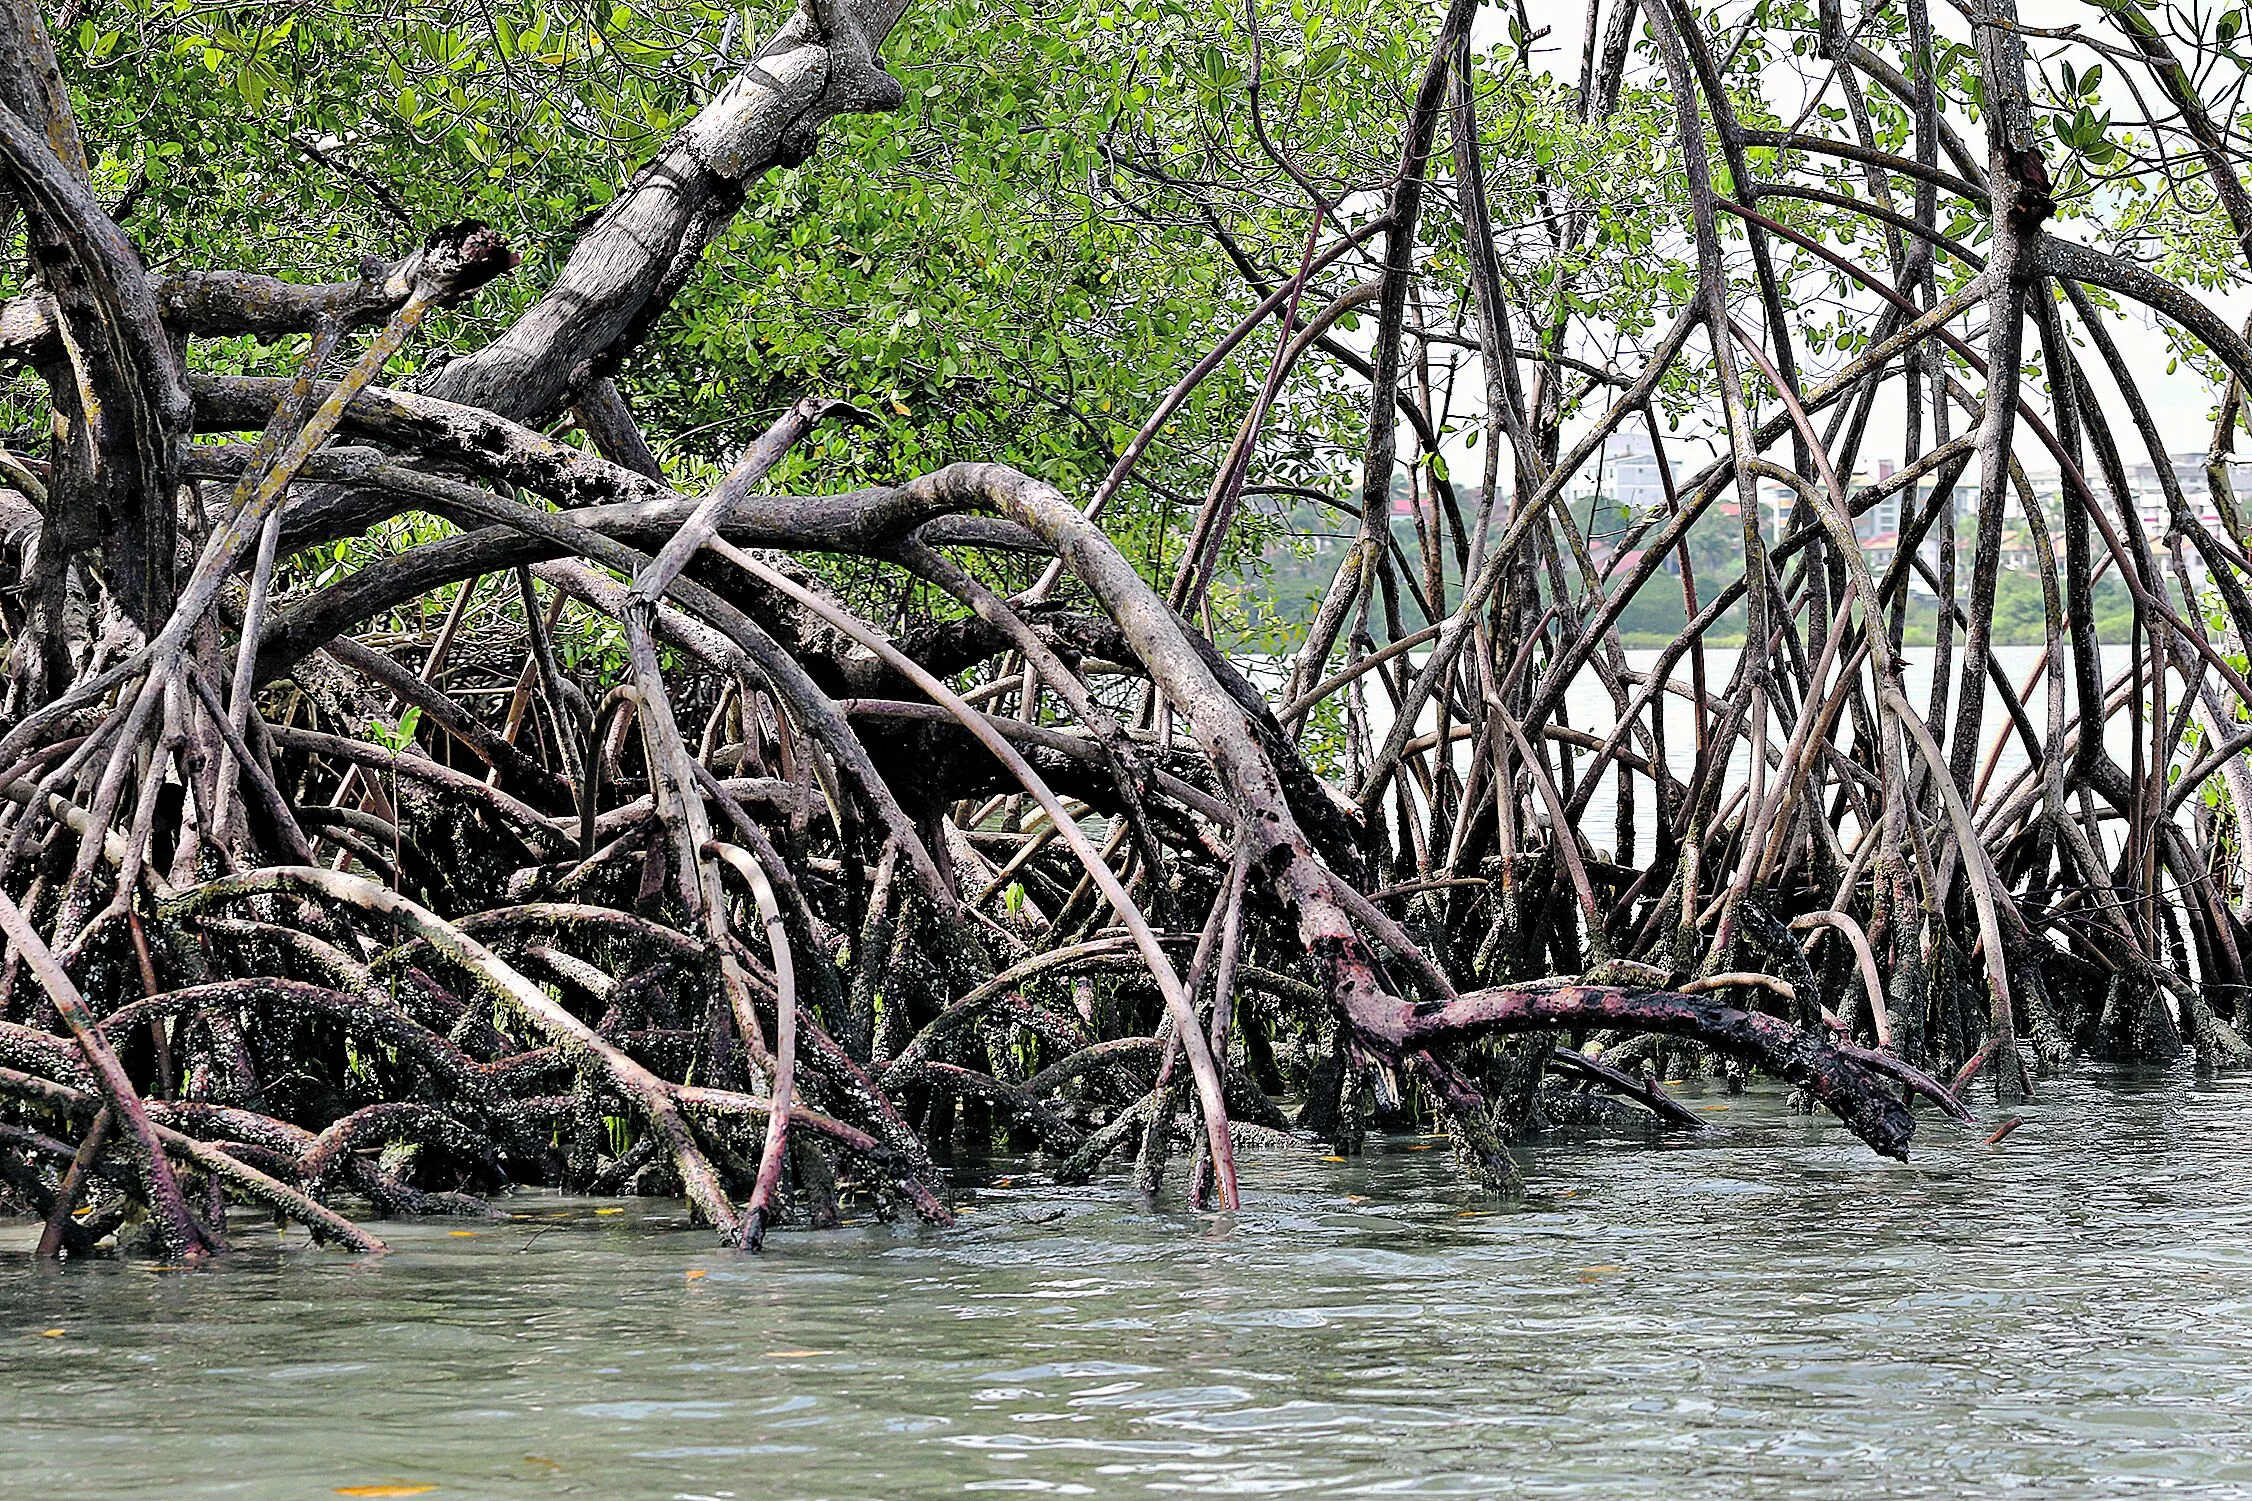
point(372, 887)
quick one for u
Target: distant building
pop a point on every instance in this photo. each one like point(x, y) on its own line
point(1779, 502)
point(1631, 473)
point(1624, 474)
point(2146, 494)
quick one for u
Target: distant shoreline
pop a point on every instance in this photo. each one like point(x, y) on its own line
point(1658, 641)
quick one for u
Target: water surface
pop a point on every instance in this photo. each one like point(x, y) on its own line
point(1770, 1312)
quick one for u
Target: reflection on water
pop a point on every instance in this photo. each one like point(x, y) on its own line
point(1588, 706)
point(1771, 1312)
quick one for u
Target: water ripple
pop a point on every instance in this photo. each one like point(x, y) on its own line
point(1771, 1312)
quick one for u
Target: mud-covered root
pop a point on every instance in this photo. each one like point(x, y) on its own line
point(384, 883)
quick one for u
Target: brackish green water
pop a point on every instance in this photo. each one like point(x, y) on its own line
point(1770, 1313)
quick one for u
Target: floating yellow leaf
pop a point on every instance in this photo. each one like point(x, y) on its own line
point(609, 1211)
point(795, 1354)
point(695, 1272)
point(1425, 1147)
point(1333, 1159)
point(1712, 1107)
point(388, 1489)
point(51, 1333)
point(465, 1234)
